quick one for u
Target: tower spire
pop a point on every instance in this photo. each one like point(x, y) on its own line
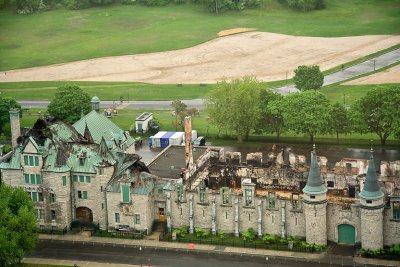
point(314, 185)
point(371, 188)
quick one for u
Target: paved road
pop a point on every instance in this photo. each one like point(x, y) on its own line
point(356, 70)
point(353, 71)
point(109, 253)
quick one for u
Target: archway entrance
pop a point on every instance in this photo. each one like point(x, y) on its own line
point(347, 234)
point(84, 214)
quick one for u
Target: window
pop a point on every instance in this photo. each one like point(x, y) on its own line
point(296, 202)
point(88, 179)
point(348, 167)
point(31, 161)
point(79, 194)
point(26, 162)
point(369, 201)
point(137, 218)
point(125, 191)
point(117, 220)
point(34, 197)
point(202, 193)
point(331, 184)
point(36, 161)
point(101, 188)
point(74, 178)
point(26, 178)
point(180, 192)
point(40, 196)
point(53, 214)
point(275, 182)
point(40, 214)
point(81, 178)
point(64, 180)
point(225, 195)
point(85, 195)
point(396, 210)
point(271, 200)
point(102, 206)
point(38, 179)
point(248, 197)
point(52, 197)
point(312, 197)
point(32, 179)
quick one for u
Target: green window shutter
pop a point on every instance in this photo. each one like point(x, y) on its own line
point(32, 179)
point(85, 195)
point(31, 161)
point(64, 180)
point(26, 162)
point(88, 179)
point(34, 196)
point(125, 193)
point(36, 161)
point(74, 178)
point(38, 179)
point(26, 178)
point(81, 178)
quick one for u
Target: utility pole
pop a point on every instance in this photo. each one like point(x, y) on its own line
point(374, 63)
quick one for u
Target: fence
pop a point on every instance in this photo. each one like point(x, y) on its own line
point(236, 243)
point(119, 234)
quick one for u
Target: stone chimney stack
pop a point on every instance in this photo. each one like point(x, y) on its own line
point(188, 141)
point(15, 126)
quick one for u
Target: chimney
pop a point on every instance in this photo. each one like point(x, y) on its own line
point(95, 103)
point(188, 141)
point(15, 126)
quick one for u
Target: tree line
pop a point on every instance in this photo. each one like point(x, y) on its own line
point(215, 6)
point(243, 106)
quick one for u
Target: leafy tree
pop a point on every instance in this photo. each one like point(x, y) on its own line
point(27, 6)
point(308, 78)
point(6, 103)
point(378, 112)
point(17, 225)
point(76, 4)
point(69, 103)
point(271, 118)
point(235, 105)
point(306, 5)
point(307, 112)
point(340, 120)
point(180, 110)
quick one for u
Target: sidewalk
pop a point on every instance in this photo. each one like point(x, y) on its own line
point(315, 257)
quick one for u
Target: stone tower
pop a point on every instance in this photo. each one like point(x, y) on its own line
point(95, 103)
point(188, 142)
point(315, 201)
point(371, 207)
point(15, 126)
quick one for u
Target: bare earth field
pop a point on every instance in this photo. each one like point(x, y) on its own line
point(268, 56)
point(391, 75)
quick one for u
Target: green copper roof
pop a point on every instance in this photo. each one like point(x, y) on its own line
point(95, 99)
point(314, 185)
point(99, 127)
point(14, 162)
point(371, 188)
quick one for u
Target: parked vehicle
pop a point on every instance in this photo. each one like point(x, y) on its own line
point(200, 141)
point(123, 228)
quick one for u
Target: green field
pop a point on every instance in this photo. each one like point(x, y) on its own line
point(63, 35)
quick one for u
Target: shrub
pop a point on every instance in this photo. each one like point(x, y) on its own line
point(306, 5)
point(249, 235)
point(221, 234)
point(394, 249)
point(199, 232)
point(270, 239)
point(76, 4)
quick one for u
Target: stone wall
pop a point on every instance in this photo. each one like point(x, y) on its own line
point(391, 233)
point(371, 228)
point(338, 214)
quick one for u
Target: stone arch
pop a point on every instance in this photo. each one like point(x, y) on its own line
point(84, 214)
point(346, 234)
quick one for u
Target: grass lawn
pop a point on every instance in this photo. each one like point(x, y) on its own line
point(64, 35)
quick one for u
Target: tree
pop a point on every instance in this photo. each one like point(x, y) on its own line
point(306, 5)
point(69, 103)
point(6, 103)
point(307, 112)
point(308, 78)
point(180, 110)
point(235, 105)
point(378, 112)
point(340, 120)
point(271, 119)
point(27, 6)
point(76, 4)
point(17, 225)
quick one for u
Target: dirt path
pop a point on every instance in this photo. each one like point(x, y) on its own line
point(391, 75)
point(268, 56)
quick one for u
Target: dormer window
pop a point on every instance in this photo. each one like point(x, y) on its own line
point(225, 195)
point(202, 193)
point(180, 194)
point(125, 194)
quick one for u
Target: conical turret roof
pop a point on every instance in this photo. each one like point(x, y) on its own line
point(315, 185)
point(371, 188)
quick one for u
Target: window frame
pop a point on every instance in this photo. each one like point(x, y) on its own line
point(225, 195)
point(248, 197)
point(396, 210)
point(271, 200)
point(64, 180)
point(137, 218)
point(117, 217)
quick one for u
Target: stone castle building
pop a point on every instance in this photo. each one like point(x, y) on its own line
point(89, 172)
